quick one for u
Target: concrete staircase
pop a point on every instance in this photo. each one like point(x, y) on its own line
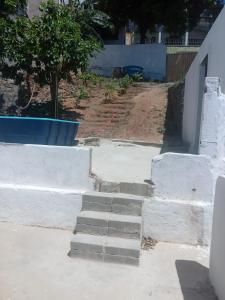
point(109, 228)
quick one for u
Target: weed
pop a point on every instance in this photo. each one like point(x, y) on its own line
point(88, 77)
point(110, 89)
point(137, 77)
point(125, 82)
point(82, 93)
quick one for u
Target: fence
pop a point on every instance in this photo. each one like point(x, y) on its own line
point(181, 42)
point(178, 64)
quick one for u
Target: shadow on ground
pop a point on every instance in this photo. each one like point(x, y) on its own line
point(194, 281)
point(45, 109)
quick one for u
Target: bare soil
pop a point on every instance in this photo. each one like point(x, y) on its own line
point(139, 112)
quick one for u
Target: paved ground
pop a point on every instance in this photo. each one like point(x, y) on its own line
point(34, 266)
point(115, 161)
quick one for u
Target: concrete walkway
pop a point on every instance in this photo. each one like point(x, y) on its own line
point(123, 162)
point(34, 265)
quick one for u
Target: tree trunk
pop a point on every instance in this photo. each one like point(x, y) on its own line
point(142, 38)
point(54, 89)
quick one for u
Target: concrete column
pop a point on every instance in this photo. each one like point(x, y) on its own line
point(217, 255)
point(160, 37)
point(212, 133)
point(160, 31)
point(186, 38)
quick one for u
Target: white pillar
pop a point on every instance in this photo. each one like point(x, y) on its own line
point(186, 38)
point(217, 255)
point(212, 134)
point(160, 37)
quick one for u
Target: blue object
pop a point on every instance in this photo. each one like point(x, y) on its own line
point(41, 131)
point(132, 70)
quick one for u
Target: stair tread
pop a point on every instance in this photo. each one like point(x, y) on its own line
point(110, 216)
point(116, 195)
point(106, 241)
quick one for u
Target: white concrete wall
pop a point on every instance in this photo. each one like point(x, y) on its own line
point(217, 256)
point(180, 210)
point(212, 134)
point(183, 177)
point(151, 57)
point(185, 222)
point(213, 46)
point(43, 185)
point(51, 208)
point(46, 166)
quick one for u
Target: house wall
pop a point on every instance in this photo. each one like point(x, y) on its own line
point(217, 255)
point(151, 57)
point(213, 47)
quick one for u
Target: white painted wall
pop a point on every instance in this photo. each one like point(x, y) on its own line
point(43, 185)
point(217, 256)
point(213, 46)
point(46, 166)
point(184, 222)
point(51, 208)
point(151, 57)
point(180, 210)
point(183, 177)
point(212, 135)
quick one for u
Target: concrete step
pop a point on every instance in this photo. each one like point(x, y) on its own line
point(138, 189)
point(109, 224)
point(113, 202)
point(103, 248)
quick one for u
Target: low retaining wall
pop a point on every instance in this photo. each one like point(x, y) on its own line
point(217, 257)
point(43, 185)
point(181, 208)
point(46, 166)
point(183, 222)
point(183, 177)
point(51, 208)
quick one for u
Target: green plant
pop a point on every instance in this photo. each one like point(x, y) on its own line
point(8, 7)
point(82, 93)
point(125, 82)
point(137, 77)
point(88, 77)
point(110, 89)
point(50, 45)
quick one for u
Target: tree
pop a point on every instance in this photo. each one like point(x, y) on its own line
point(177, 16)
point(119, 11)
point(50, 45)
point(8, 7)
point(146, 14)
point(184, 15)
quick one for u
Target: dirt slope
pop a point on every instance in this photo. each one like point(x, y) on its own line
point(138, 114)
